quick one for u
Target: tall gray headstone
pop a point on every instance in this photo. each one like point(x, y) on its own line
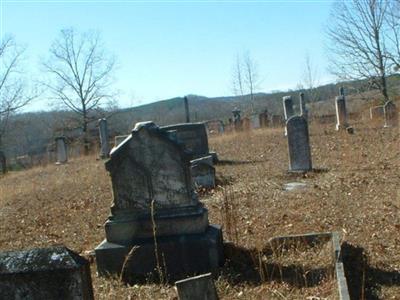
point(197, 288)
point(154, 198)
point(104, 144)
point(187, 114)
point(288, 107)
point(341, 113)
point(50, 273)
point(298, 144)
point(390, 113)
point(61, 149)
point(303, 108)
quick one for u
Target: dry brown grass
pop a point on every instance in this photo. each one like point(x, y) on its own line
point(358, 196)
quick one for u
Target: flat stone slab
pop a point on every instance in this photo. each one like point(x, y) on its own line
point(48, 273)
point(291, 186)
point(197, 288)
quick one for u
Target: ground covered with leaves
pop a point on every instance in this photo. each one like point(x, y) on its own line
point(354, 190)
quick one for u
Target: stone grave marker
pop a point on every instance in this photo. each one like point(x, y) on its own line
point(194, 138)
point(341, 113)
point(376, 113)
point(255, 121)
point(390, 113)
point(298, 144)
point(61, 150)
point(104, 144)
point(203, 172)
point(154, 200)
point(50, 273)
point(197, 288)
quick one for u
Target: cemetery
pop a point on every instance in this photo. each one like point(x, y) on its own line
point(269, 225)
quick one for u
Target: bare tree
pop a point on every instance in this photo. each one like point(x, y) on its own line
point(81, 75)
point(310, 79)
point(357, 42)
point(14, 90)
point(245, 77)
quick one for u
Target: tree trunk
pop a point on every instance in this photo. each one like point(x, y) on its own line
point(86, 147)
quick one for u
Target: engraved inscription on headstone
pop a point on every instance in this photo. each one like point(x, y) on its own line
point(298, 144)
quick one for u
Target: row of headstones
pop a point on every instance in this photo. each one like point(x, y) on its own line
point(59, 273)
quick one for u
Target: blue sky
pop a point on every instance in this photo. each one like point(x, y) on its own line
point(173, 48)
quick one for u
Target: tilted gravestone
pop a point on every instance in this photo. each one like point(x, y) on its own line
point(194, 138)
point(50, 273)
point(255, 121)
point(298, 144)
point(154, 199)
point(197, 288)
point(203, 172)
point(103, 132)
point(341, 113)
point(61, 149)
point(390, 113)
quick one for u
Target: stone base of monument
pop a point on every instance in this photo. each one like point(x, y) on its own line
point(179, 256)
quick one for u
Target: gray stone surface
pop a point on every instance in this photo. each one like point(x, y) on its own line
point(294, 186)
point(104, 144)
point(50, 273)
point(288, 107)
point(341, 113)
point(298, 144)
point(150, 165)
point(193, 136)
point(197, 288)
point(203, 172)
point(255, 121)
point(61, 149)
point(390, 114)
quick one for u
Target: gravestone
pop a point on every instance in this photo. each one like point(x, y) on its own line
point(203, 172)
point(390, 113)
point(298, 144)
point(197, 288)
point(237, 119)
point(194, 138)
point(341, 113)
point(50, 273)
point(264, 118)
point(215, 126)
point(255, 121)
point(376, 112)
point(61, 149)
point(288, 107)
point(277, 121)
point(103, 132)
point(303, 108)
point(154, 199)
point(3, 163)
point(187, 114)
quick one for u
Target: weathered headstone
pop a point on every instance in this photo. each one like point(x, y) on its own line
point(154, 199)
point(288, 107)
point(61, 149)
point(3, 163)
point(104, 144)
point(341, 113)
point(298, 144)
point(376, 113)
point(255, 121)
point(390, 114)
point(194, 138)
point(187, 114)
point(203, 172)
point(303, 108)
point(215, 126)
point(50, 273)
point(197, 288)
point(264, 118)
